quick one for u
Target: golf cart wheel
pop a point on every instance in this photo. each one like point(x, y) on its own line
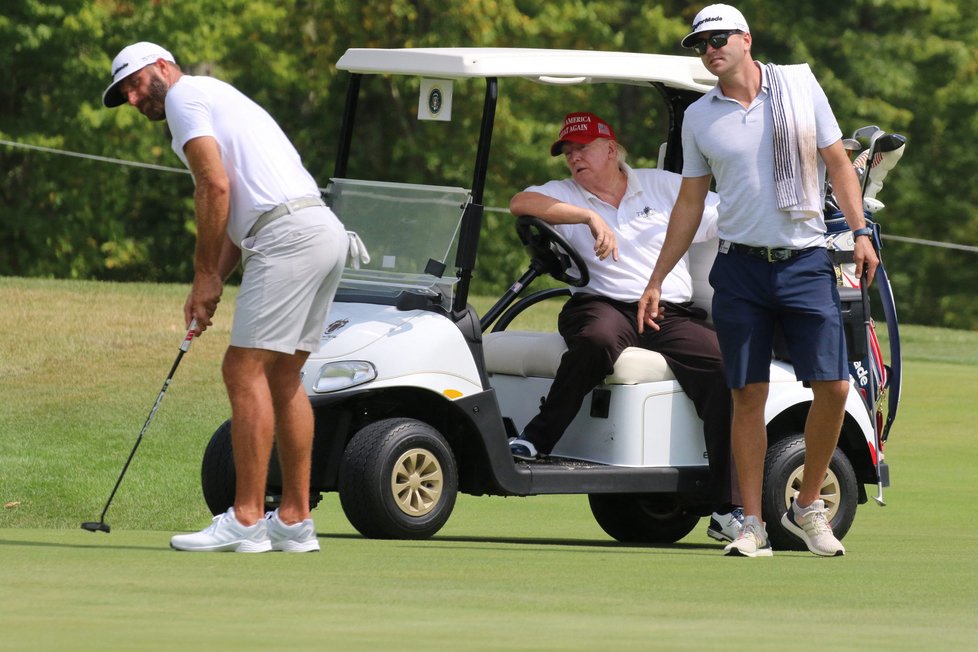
point(642, 518)
point(217, 476)
point(398, 480)
point(783, 471)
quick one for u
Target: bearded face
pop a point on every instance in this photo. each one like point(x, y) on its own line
point(153, 106)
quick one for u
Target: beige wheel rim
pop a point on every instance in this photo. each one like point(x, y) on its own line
point(830, 492)
point(416, 482)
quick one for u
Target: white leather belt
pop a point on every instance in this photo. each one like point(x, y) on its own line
point(287, 208)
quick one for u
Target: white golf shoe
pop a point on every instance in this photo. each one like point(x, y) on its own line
point(726, 527)
point(811, 525)
point(751, 542)
point(225, 534)
point(300, 537)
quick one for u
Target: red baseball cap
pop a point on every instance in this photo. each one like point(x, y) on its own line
point(581, 128)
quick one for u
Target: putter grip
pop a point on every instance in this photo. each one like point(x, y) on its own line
point(190, 335)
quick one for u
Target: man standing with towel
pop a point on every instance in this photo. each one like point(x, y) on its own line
point(768, 135)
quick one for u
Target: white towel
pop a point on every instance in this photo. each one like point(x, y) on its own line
point(357, 253)
point(795, 148)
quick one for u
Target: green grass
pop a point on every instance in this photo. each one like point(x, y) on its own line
point(81, 363)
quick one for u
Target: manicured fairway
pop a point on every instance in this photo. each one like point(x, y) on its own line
point(505, 574)
point(81, 363)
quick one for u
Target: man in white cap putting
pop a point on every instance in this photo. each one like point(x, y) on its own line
point(773, 267)
point(255, 204)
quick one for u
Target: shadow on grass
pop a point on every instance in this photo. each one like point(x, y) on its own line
point(474, 542)
point(75, 546)
point(680, 547)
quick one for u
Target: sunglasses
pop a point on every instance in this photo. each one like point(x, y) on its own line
point(716, 40)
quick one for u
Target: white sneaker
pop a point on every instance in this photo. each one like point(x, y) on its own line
point(225, 534)
point(726, 527)
point(523, 449)
point(300, 537)
point(811, 525)
point(751, 542)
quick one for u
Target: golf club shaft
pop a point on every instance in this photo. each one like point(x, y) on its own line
point(184, 347)
point(873, 390)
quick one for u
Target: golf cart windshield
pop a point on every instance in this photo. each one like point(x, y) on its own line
point(403, 238)
point(419, 228)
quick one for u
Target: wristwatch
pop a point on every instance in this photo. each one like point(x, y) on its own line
point(866, 231)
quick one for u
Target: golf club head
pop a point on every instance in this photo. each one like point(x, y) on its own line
point(865, 133)
point(888, 151)
point(96, 526)
point(890, 143)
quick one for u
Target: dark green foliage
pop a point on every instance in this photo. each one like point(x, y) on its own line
point(904, 65)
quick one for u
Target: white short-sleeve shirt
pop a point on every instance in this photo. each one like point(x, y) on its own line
point(640, 223)
point(262, 164)
point(735, 145)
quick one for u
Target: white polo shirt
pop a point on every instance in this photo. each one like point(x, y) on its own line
point(735, 145)
point(640, 223)
point(262, 164)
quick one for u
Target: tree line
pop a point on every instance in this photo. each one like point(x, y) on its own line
point(904, 65)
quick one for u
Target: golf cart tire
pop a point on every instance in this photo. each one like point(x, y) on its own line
point(218, 478)
point(398, 480)
point(642, 518)
point(783, 466)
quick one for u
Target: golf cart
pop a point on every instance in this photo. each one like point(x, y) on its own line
point(415, 395)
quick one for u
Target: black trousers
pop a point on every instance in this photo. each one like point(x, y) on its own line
point(597, 329)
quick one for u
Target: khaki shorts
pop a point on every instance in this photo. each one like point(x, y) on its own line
point(292, 268)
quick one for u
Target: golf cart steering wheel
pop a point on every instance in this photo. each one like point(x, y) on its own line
point(550, 253)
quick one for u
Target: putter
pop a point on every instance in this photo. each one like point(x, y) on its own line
point(101, 525)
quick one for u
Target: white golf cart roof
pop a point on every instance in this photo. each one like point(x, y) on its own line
point(544, 66)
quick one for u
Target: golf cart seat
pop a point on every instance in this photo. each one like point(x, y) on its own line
point(607, 430)
point(533, 354)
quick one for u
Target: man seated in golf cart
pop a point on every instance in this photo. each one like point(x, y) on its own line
point(621, 214)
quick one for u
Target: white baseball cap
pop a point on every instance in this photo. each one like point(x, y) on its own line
point(132, 58)
point(716, 18)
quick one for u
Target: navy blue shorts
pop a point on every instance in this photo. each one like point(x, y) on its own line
point(752, 295)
